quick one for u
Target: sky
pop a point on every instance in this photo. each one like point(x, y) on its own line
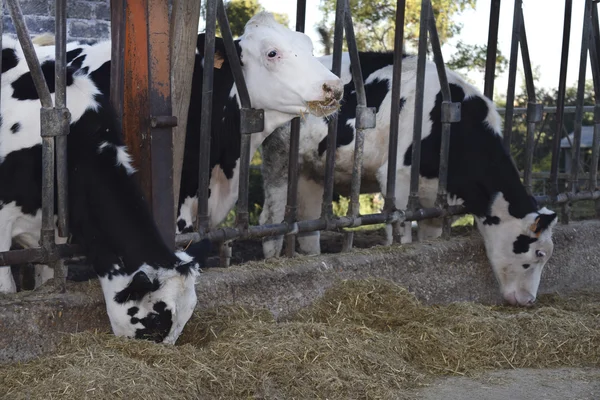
point(543, 22)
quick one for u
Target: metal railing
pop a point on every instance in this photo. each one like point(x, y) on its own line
point(450, 113)
point(252, 120)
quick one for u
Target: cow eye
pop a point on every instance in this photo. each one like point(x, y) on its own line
point(272, 54)
point(539, 253)
point(526, 266)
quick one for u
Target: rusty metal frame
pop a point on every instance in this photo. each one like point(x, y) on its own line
point(142, 99)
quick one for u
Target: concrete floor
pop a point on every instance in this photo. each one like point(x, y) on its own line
point(518, 384)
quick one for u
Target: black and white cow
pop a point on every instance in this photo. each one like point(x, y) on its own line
point(283, 78)
point(149, 291)
point(481, 174)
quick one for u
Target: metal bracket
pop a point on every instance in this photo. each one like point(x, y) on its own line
point(252, 120)
point(451, 112)
point(163, 121)
point(535, 112)
point(54, 121)
point(365, 117)
point(294, 229)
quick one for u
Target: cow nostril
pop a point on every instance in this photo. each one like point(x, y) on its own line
point(531, 302)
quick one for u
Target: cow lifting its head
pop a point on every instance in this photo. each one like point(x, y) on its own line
point(283, 78)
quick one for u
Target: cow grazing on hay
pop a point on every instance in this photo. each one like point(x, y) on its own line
point(149, 291)
point(481, 173)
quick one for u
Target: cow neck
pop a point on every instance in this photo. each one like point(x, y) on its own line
point(110, 216)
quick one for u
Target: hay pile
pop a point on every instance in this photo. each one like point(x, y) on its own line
point(363, 339)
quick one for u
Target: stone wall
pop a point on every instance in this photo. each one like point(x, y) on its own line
point(87, 20)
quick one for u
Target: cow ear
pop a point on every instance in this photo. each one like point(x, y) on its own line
point(219, 59)
point(200, 251)
point(139, 286)
point(542, 223)
point(219, 49)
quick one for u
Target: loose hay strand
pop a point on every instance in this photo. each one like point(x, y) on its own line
point(363, 339)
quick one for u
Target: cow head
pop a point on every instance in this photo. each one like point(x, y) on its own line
point(154, 303)
point(281, 73)
point(518, 249)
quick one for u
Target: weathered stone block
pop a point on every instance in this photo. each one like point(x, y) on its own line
point(88, 29)
point(38, 24)
point(32, 7)
point(103, 11)
point(80, 9)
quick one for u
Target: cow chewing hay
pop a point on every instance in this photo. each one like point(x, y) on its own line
point(363, 339)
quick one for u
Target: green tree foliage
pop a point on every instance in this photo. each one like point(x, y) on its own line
point(240, 11)
point(473, 57)
point(375, 21)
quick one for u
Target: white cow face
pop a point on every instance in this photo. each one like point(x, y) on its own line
point(153, 303)
point(518, 249)
point(281, 72)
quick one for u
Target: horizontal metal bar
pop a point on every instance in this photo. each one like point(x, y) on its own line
point(38, 254)
point(548, 175)
point(33, 63)
point(227, 233)
point(70, 251)
point(568, 197)
point(547, 110)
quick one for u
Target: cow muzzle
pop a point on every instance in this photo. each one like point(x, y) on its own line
point(524, 299)
point(332, 93)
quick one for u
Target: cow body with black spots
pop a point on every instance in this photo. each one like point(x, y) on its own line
point(148, 289)
point(482, 175)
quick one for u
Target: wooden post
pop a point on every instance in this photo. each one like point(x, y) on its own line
point(185, 15)
point(142, 69)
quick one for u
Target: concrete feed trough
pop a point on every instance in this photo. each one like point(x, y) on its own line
point(440, 272)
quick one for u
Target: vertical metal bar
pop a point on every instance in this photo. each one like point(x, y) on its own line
point(595, 61)
point(413, 199)
point(62, 129)
point(534, 110)
point(159, 90)
point(60, 98)
point(246, 127)
point(492, 48)
point(336, 68)
point(580, 98)
point(206, 113)
point(33, 63)
point(512, 75)
point(242, 218)
point(232, 56)
point(529, 84)
point(560, 101)
point(48, 131)
point(450, 113)
point(117, 33)
point(390, 195)
point(365, 119)
point(291, 207)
